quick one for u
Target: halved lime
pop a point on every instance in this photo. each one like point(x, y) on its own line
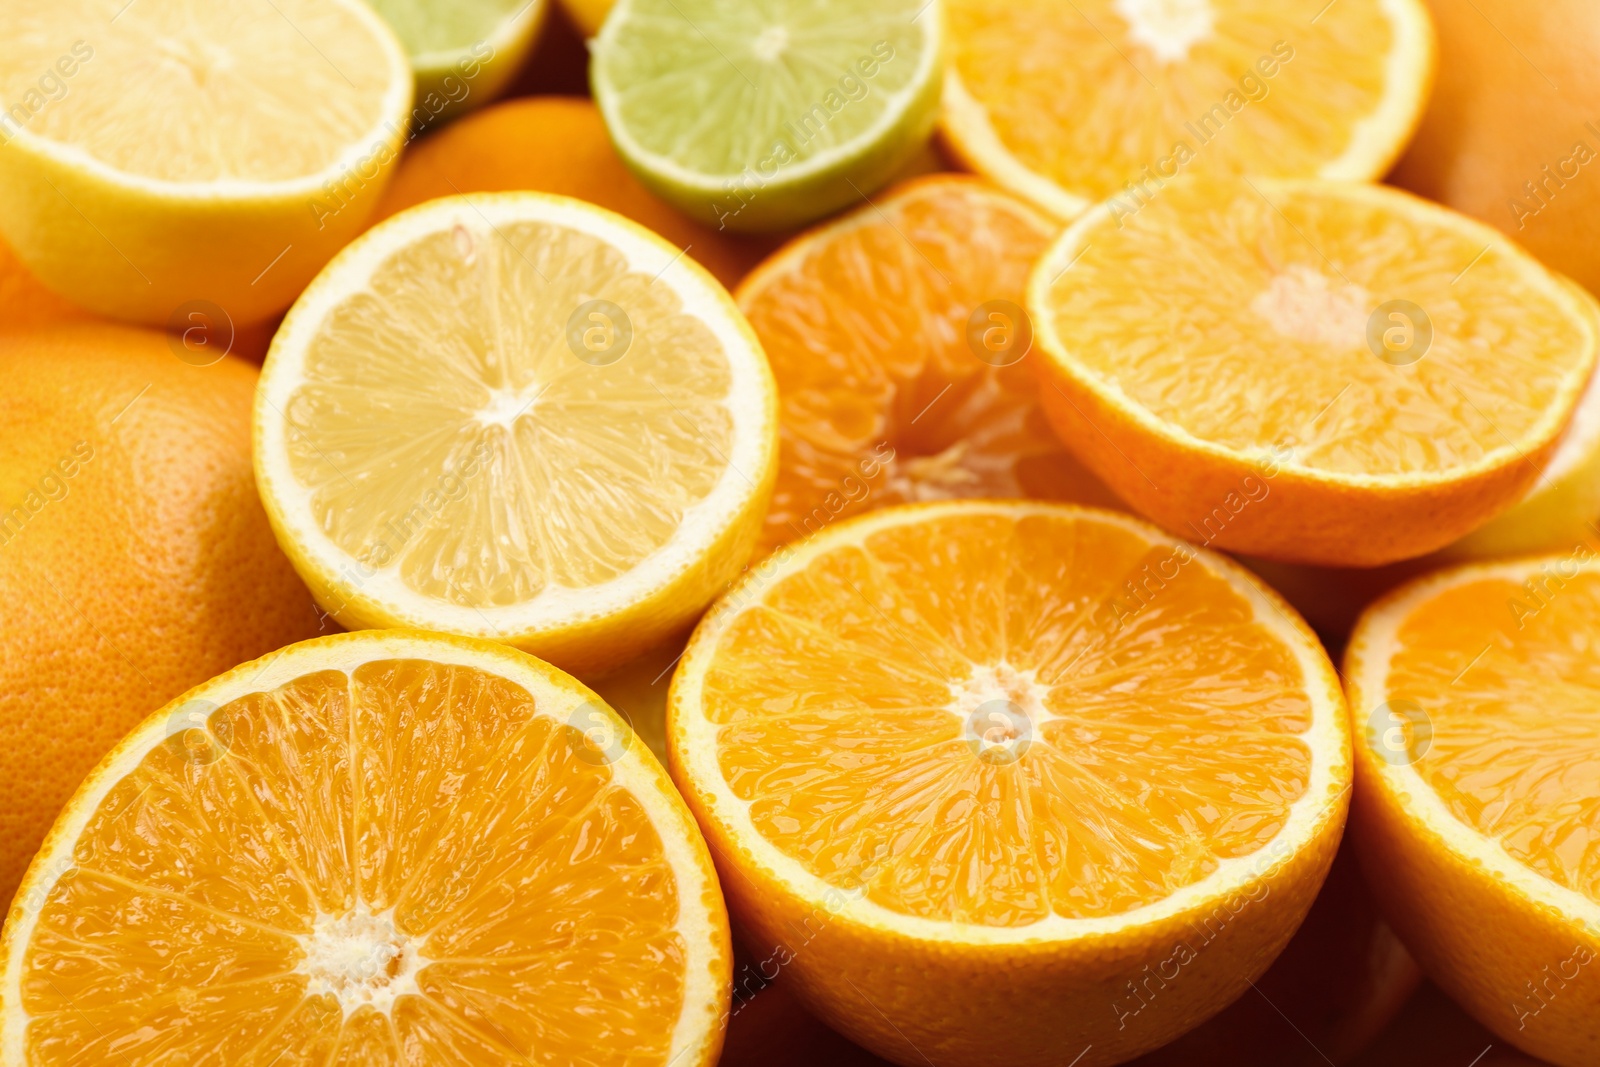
point(463, 52)
point(766, 115)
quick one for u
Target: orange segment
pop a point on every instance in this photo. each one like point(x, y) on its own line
point(1388, 373)
point(372, 849)
point(1072, 104)
point(1477, 689)
point(887, 391)
point(974, 725)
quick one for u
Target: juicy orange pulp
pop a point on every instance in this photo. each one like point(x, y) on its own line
point(1511, 715)
point(888, 394)
point(1116, 765)
point(342, 870)
point(1274, 291)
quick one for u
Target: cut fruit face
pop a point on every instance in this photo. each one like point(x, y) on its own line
point(376, 848)
point(213, 73)
point(1474, 693)
point(902, 356)
point(463, 51)
point(517, 416)
point(1070, 105)
point(767, 116)
point(1562, 507)
point(1010, 746)
point(1365, 342)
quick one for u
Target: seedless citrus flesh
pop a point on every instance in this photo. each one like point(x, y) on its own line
point(1308, 371)
point(1473, 691)
point(901, 351)
point(1561, 508)
point(970, 767)
point(375, 848)
point(767, 116)
point(168, 120)
point(1072, 104)
point(517, 416)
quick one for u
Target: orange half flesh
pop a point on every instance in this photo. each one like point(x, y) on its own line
point(1002, 740)
point(372, 849)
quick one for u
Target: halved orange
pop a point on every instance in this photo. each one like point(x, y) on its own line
point(901, 354)
point(1069, 104)
point(1315, 372)
point(378, 848)
point(1476, 696)
point(1011, 782)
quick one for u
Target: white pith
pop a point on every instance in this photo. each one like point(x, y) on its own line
point(694, 743)
point(361, 960)
point(1168, 28)
point(556, 696)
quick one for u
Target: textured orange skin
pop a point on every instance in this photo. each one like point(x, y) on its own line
point(1340, 981)
point(1469, 933)
point(155, 570)
point(1517, 84)
point(1300, 519)
point(554, 144)
point(1022, 1006)
point(24, 301)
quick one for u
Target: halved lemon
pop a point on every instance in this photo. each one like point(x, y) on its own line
point(1071, 104)
point(1475, 693)
point(902, 356)
point(377, 848)
point(521, 417)
point(163, 156)
point(1316, 372)
point(1011, 782)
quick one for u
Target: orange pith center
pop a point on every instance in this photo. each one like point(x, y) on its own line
point(995, 720)
point(404, 863)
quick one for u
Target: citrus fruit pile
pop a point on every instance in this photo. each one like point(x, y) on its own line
point(928, 532)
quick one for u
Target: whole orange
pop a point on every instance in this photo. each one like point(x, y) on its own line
point(135, 558)
point(555, 144)
point(1512, 135)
